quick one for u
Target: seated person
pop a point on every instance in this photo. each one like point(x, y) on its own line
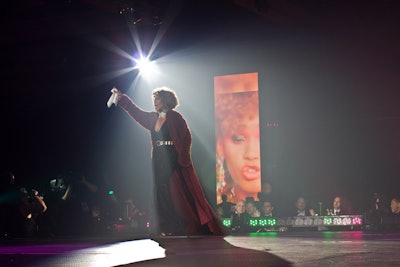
point(266, 192)
point(336, 207)
point(395, 205)
point(387, 219)
point(267, 209)
point(301, 208)
point(395, 209)
point(377, 212)
point(251, 209)
point(135, 217)
point(339, 207)
point(238, 216)
point(225, 208)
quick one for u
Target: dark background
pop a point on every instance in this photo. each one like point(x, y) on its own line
point(329, 76)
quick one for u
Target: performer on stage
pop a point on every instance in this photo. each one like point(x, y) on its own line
point(181, 203)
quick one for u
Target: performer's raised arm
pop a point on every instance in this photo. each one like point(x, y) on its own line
point(144, 118)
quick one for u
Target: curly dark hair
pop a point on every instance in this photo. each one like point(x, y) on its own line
point(168, 96)
point(233, 107)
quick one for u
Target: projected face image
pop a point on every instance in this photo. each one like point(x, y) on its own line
point(237, 137)
point(240, 148)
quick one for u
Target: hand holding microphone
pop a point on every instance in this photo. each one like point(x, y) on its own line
point(114, 98)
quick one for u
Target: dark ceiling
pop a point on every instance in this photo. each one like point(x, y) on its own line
point(49, 24)
point(31, 20)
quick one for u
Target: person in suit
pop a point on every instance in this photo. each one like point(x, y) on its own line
point(301, 208)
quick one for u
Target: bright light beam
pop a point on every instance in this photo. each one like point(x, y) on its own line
point(147, 69)
point(170, 15)
point(111, 47)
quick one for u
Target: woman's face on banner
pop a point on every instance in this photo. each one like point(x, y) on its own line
point(241, 150)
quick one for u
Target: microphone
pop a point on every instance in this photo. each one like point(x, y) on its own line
point(113, 98)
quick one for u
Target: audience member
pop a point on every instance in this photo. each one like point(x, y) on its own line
point(395, 213)
point(31, 207)
point(96, 223)
point(135, 216)
point(251, 209)
point(90, 216)
point(227, 207)
point(395, 205)
point(376, 212)
point(266, 192)
point(301, 208)
point(267, 209)
point(76, 184)
point(339, 207)
point(79, 198)
point(238, 222)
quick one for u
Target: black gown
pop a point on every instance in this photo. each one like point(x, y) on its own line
point(165, 163)
point(173, 169)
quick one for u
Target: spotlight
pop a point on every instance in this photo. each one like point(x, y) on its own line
point(145, 66)
point(131, 14)
point(136, 17)
point(157, 20)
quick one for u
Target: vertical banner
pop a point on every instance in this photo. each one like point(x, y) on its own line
point(237, 133)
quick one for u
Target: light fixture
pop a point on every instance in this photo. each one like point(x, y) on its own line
point(157, 20)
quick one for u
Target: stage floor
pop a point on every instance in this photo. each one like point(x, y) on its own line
point(350, 248)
